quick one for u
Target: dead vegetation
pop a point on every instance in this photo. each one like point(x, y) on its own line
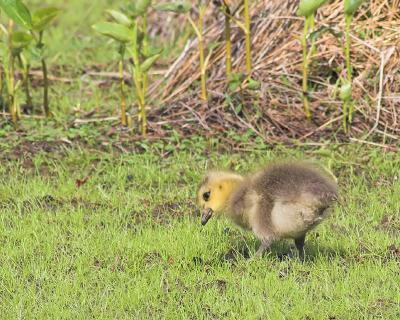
point(275, 112)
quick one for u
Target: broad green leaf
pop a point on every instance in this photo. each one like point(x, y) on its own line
point(345, 91)
point(308, 7)
point(177, 7)
point(21, 39)
point(139, 7)
point(146, 65)
point(119, 17)
point(351, 6)
point(17, 11)
point(43, 17)
point(116, 31)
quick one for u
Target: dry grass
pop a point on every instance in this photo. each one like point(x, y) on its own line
point(276, 111)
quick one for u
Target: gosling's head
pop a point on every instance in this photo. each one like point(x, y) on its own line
point(214, 192)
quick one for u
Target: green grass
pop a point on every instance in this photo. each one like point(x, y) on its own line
point(73, 49)
point(128, 244)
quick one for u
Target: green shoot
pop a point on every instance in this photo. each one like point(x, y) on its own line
point(246, 28)
point(203, 65)
point(25, 66)
point(350, 8)
point(121, 33)
point(306, 100)
point(2, 51)
point(247, 23)
point(36, 24)
point(20, 43)
point(19, 14)
point(224, 7)
point(41, 20)
point(10, 71)
point(307, 9)
point(132, 35)
point(124, 121)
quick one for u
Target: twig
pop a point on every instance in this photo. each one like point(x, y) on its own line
point(384, 57)
point(85, 121)
point(385, 146)
point(27, 116)
point(246, 123)
point(321, 127)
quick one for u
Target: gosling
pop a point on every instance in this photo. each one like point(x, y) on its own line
point(283, 201)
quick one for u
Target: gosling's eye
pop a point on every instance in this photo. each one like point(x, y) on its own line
point(206, 196)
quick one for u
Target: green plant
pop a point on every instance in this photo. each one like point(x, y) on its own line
point(41, 20)
point(224, 7)
point(120, 31)
point(247, 31)
point(307, 9)
point(1, 65)
point(20, 48)
point(350, 8)
point(19, 14)
point(245, 26)
point(11, 51)
point(130, 32)
point(198, 28)
point(36, 23)
point(9, 70)
point(125, 31)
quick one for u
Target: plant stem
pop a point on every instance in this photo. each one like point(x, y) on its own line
point(27, 87)
point(348, 19)
point(46, 108)
point(122, 87)
point(228, 40)
point(1, 71)
point(1, 84)
point(306, 101)
point(199, 32)
point(45, 89)
point(345, 107)
point(138, 81)
point(12, 102)
point(25, 75)
point(137, 76)
point(311, 29)
point(145, 48)
point(248, 35)
point(142, 106)
point(202, 59)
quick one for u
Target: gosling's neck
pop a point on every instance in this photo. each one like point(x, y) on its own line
point(236, 204)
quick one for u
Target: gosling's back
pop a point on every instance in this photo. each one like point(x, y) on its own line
point(289, 180)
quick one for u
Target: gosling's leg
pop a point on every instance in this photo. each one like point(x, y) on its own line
point(299, 242)
point(265, 244)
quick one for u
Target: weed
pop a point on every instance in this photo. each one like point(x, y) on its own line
point(307, 9)
point(350, 8)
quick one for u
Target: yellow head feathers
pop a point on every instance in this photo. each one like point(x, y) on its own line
point(214, 192)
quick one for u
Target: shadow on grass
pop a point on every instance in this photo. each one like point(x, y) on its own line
point(280, 251)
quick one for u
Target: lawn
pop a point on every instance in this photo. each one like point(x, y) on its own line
point(97, 223)
point(128, 243)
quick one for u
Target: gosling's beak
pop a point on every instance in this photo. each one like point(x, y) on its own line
point(206, 215)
